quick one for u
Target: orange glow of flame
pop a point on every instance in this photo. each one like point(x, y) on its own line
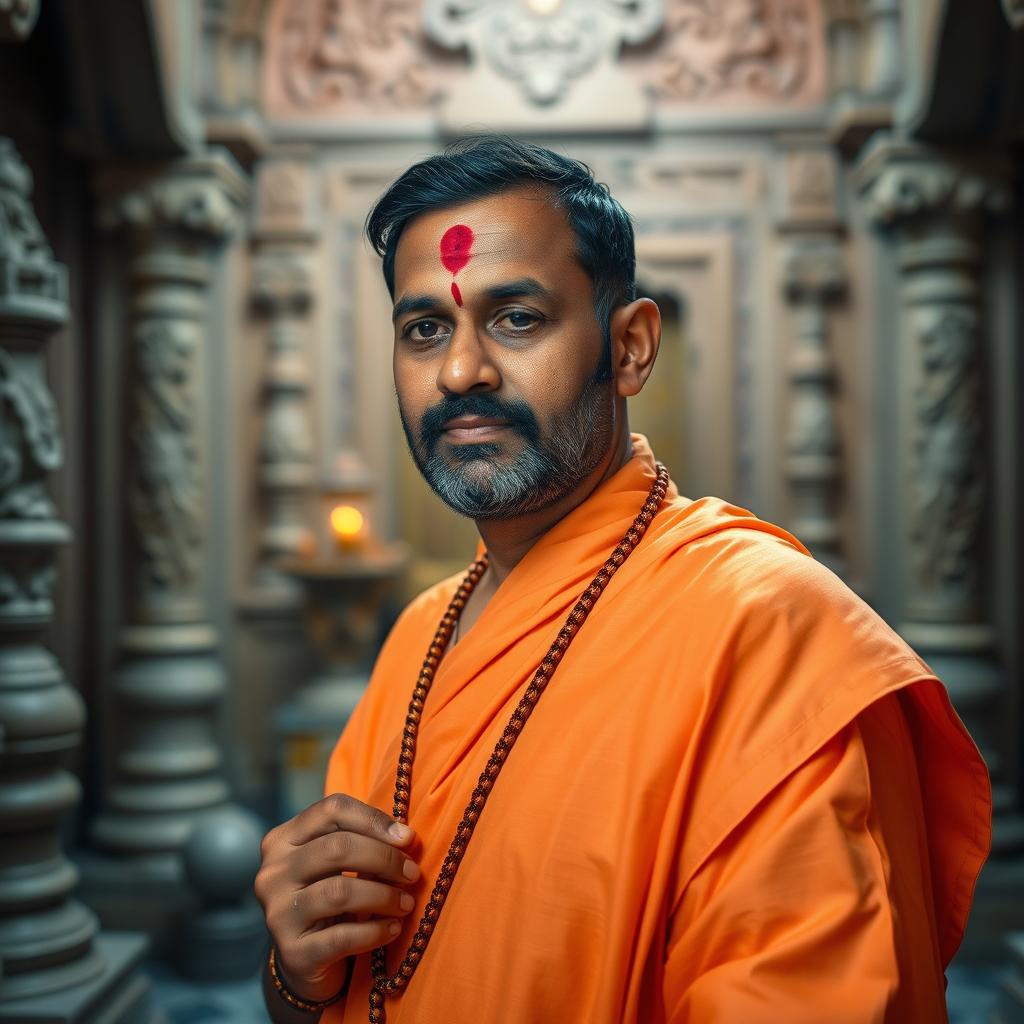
point(346, 522)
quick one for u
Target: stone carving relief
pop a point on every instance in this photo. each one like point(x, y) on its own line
point(919, 189)
point(187, 203)
point(542, 45)
point(811, 186)
point(505, 62)
point(284, 194)
point(34, 286)
point(164, 499)
point(949, 486)
point(330, 54)
point(27, 268)
point(30, 443)
point(765, 49)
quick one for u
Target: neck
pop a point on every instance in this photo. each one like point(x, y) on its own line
point(508, 540)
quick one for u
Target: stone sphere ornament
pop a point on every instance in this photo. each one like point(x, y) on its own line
point(224, 937)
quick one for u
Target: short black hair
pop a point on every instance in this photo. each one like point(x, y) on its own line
point(479, 166)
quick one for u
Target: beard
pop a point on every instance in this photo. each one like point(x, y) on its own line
point(481, 482)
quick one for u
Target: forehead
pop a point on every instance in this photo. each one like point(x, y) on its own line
point(515, 230)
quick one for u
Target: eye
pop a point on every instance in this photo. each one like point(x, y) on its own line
point(517, 321)
point(425, 330)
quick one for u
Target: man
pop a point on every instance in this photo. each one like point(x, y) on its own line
point(722, 791)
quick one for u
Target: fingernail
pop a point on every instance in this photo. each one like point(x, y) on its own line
point(407, 902)
point(394, 928)
point(399, 832)
point(411, 870)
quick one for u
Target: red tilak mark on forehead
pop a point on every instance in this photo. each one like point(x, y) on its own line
point(455, 246)
point(456, 243)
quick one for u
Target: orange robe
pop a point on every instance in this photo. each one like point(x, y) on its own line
point(742, 797)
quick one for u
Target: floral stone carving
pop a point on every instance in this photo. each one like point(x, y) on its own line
point(329, 55)
point(738, 49)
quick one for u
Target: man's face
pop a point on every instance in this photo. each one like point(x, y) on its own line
point(503, 382)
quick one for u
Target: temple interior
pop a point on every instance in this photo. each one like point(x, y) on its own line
point(208, 514)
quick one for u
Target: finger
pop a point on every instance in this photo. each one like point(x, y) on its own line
point(347, 939)
point(341, 813)
point(341, 894)
point(348, 851)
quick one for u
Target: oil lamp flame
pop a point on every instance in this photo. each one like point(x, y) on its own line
point(347, 524)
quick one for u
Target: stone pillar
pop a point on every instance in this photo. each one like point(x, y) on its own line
point(844, 46)
point(168, 764)
point(282, 291)
point(55, 965)
point(813, 280)
point(883, 63)
point(935, 205)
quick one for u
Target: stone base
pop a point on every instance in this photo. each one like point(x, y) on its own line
point(223, 944)
point(146, 894)
point(117, 995)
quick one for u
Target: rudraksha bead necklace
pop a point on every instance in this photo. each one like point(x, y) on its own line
point(383, 983)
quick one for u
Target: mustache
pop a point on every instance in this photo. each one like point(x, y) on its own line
point(515, 412)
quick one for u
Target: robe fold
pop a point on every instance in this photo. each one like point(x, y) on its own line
point(742, 797)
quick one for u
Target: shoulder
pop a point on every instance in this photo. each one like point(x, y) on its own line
point(717, 569)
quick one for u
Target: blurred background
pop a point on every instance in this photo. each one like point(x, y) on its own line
point(208, 518)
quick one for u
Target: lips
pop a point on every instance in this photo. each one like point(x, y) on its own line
point(472, 428)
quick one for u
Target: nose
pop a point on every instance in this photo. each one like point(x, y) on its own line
point(467, 365)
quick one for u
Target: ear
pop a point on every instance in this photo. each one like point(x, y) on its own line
point(636, 336)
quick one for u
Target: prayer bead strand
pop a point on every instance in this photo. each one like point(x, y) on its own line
point(383, 983)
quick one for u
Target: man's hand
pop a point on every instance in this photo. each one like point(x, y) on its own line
point(308, 902)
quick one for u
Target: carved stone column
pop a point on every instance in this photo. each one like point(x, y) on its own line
point(935, 206)
point(866, 68)
point(282, 290)
point(813, 280)
point(54, 963)
point(883, 63)
point(168, 767)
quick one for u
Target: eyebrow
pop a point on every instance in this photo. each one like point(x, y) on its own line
point(523, 286)
point(414, 304)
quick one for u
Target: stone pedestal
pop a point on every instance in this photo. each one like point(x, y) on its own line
point(54, 964)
